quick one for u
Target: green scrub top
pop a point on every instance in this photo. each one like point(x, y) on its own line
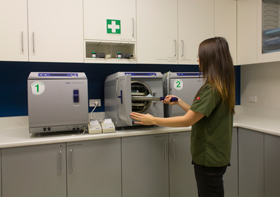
point(211, 136)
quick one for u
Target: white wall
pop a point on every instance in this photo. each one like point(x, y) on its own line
point(263, 81)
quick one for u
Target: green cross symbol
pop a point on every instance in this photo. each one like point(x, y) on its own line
point(113, 26)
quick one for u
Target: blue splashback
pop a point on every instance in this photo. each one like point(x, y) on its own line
point(13, 80)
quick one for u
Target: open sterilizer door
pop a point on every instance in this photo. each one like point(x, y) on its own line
point(124, 99)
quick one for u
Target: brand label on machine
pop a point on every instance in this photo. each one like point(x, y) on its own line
point(178, 84)
point(37, 88)
point(113, 26)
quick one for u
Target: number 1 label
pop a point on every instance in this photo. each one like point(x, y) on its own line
point(37, 88)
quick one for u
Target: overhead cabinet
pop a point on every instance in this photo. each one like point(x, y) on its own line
point(268, 31)
point(258, 31)
point(196, 23)
point(110, 31)
point(55, 30)
point(110, 20)
point(14, 33)
point(157, 40)
point(175, 37)
point(225, 24)
point(46, 31)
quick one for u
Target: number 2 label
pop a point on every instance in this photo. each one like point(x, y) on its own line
point(178, 84)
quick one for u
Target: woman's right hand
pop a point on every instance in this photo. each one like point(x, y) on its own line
point(167, 100)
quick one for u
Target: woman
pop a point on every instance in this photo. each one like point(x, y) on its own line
point(211, 117)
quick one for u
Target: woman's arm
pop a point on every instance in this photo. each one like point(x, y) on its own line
point(190, 118)
point(186, 107)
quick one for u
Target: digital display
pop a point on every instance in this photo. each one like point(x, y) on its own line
point(187, 74)
point(141, 74)
point(57, 74)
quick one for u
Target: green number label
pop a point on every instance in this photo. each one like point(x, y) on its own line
point(178, 84)
point(37, 86)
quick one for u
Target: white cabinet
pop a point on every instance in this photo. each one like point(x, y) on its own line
point(157, 31)
point(34, 171)
point(110, 29)
point(174, 37)
point(225, 24)
point(55, 30)
point(195, 24)
point(268, 31)
point(247, 31)
point(110, 20)
point(46, 31)
point(258, 31)
point(13, 34)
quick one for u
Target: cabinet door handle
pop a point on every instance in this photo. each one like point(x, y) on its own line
point(70, 161)
point(33, 38)
point(132, 27)
point(182, 48)
point(165, 149)
point(174, 148)
point(60, 162)
point(175, 48)
point(22, 49)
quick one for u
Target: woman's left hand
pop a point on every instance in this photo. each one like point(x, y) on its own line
point(144, 119)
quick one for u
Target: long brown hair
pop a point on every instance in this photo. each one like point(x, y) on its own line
point(215, 63)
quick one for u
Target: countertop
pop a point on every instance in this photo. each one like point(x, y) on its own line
point(15, 133)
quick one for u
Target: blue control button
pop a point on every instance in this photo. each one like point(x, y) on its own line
point(76, 96)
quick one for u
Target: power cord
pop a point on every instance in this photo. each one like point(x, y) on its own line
point(92, 116)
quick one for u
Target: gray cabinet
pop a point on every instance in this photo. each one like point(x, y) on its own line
point(34, 171)
point(251, 163)
point(231, 175)
point(272, 163)
point(181, 171)
point(0, 172)
point(145, 166)
point(94, 168)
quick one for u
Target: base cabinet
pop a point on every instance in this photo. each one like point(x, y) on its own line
point(34, 171)
point(150, 166)
point(145, 166)
point(181, 171)
point(231, 175)
point(272, 163)
point(251, 163)
point(94, 168)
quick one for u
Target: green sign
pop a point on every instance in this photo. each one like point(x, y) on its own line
point(113, 26)
point(37, 88)
point(178, 84)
